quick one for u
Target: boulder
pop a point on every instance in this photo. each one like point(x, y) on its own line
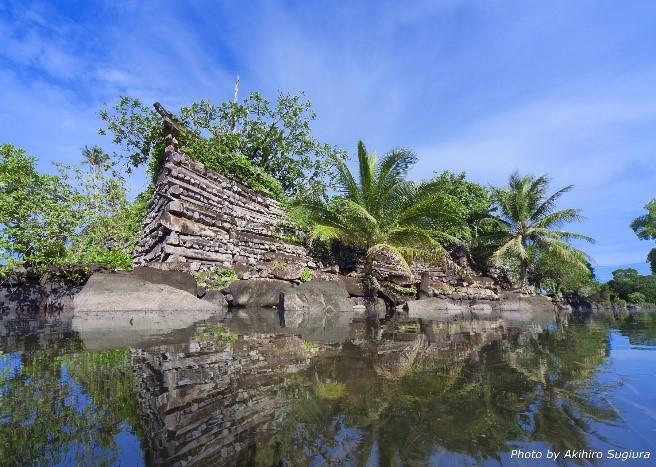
point(514, 301)
point(437, 308)
point(257, 292)
point(216, 297)
point(388, 266)
point(176, 279)
point(122, 291)
point(353, 285)
point(61, 299)
point(288, 272)
point(379, 307)
point(318, 296)
point(483, 281)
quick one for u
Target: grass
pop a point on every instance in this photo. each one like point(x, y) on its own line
point(216, 278)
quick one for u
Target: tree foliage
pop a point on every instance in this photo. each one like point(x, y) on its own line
point(468, 203)
point(627, 282)
point(80, 215)
point(651, 259)
point(558, 277)
point(36, 212)
point(108, 222)
point(381, 211)
point(253, 140)
point(645, 228)
point(526, 224)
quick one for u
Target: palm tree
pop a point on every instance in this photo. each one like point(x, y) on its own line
point(528, 223)
point(381, 212)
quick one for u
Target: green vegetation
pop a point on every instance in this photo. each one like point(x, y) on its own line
point(381, 212)
point(636, 298)
point(306, 274)
point(629, 286)
point(45, 411)
point(309, 345)
point(645, 228)
point(216, 278)
point(80, 215)
point(329, 390)
point(217, 333)
point(267, 145)
point(526, 225)
point(559, 278)
point(35, 211)
point(535, 386)
point(468, 203)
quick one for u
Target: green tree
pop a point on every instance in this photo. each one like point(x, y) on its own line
point(558, 277)
point(626, 282)
point(636, 298)
point(78, 216)
point(651, 258)
point(469, 201)
point(381, 212)
point(526, 223)
point(36, 212)
point(274, 137)
point(108, 222)
point(645, 228)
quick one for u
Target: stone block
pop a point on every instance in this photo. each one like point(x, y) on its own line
point(257, 292)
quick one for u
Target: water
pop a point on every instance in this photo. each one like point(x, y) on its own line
point(311, 389)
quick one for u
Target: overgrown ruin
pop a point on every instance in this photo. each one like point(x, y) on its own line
point(199, 218)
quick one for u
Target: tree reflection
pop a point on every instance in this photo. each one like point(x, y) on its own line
point(640, 328)
point(526, 387)
point(61, 404)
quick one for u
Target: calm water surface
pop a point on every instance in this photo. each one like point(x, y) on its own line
point(306, 389)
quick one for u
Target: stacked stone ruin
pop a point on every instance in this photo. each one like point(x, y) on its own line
point(199, 218)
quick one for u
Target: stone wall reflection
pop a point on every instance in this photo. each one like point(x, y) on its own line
point(204, 402)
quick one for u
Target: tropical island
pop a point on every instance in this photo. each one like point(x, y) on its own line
point(410, 234)
point(249, 203)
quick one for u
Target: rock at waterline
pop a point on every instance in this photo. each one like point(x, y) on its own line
point(513, 301)
point(127, 291)
point(257, 292)
point(318, 295)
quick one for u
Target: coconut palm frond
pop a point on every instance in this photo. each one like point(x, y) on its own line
point(346, 183)
point(558, 218)
point(560, 234)
point(527, 220)
point(325, 232)
point(548, 204)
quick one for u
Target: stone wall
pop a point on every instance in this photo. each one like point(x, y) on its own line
point(199, 219)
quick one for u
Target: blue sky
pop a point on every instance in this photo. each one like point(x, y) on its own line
point(564, 88)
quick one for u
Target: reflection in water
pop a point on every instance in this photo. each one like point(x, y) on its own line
point(60, 404)
point(301, 389)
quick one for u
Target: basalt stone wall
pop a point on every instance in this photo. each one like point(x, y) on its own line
point(199, 218)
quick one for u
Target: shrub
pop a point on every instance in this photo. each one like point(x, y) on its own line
point(636, 298)
point(306, 274)
point(216, 278)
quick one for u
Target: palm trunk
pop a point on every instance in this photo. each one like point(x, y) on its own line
point(523, 274)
